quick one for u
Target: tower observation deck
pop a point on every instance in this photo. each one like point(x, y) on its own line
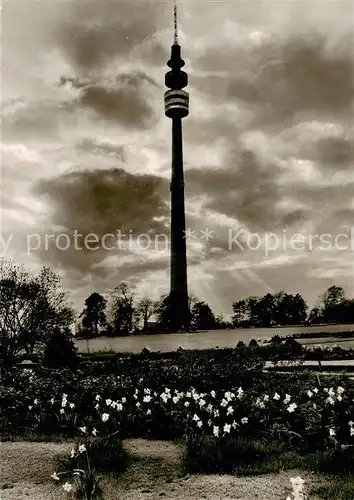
point(176, 108)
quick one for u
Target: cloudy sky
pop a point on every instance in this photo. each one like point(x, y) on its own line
point(268, 144)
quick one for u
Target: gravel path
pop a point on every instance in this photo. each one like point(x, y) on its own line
point(26, 468)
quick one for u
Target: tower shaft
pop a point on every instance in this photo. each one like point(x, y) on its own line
point(178, 269)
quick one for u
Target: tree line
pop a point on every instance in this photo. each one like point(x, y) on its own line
point(283, 309)
point(123, 314)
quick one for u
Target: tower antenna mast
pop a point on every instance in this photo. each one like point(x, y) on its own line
point(175, 35)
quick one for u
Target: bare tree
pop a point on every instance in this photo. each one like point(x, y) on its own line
point(122, 309)
point(145, 309)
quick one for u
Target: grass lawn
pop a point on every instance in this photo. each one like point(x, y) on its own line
point(156, 472)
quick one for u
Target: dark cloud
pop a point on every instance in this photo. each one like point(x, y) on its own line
point(245, 190)
point(103, 201)
point(338, 222)
point(36, 120)
point(125, 101)
point(293, 217)
point(336, 152)
point(284, 80)
point(328, 153)
point(98, 202)
point(321, 198)
point(92, 34)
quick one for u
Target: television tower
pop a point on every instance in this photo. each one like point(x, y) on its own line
point(176, 108)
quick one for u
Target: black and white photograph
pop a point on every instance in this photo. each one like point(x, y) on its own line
point(177, 250)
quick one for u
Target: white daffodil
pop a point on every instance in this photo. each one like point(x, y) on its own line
point(291, 408)
point(105, 417)
point(82, 448)
point(67, 487)
point(55, 476)
point(94, 431)
point(227, 428)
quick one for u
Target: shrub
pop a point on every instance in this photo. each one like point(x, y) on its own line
point(60, 351)
point(106, 456)
point(230, 454)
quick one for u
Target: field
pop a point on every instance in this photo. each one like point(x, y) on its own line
point(209, 339)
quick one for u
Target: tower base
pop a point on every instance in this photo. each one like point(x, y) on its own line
point(176, 312)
